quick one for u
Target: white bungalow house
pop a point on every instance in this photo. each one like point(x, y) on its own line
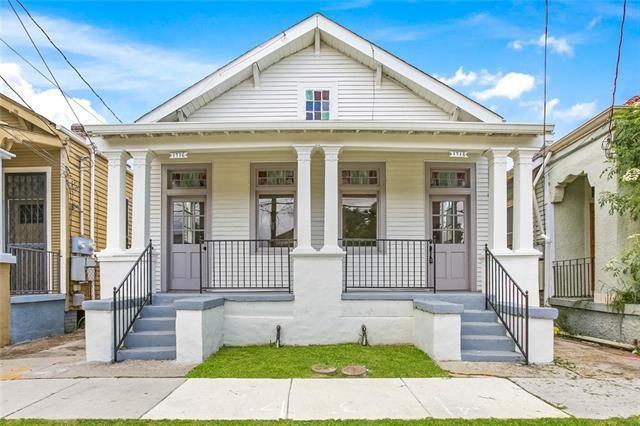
point(318, 189)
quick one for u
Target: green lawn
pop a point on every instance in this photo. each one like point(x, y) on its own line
point(296, 361)
point(425, 422)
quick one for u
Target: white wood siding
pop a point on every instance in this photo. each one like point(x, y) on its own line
point(482, 216)
point(277, 97)
point(404, 194)
point(155, 219)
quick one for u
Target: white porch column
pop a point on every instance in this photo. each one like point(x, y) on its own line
point(498, 199)
point(116, 232)
point(331, 198)
point(303, 215)
point(141, 197)
point(522, 196)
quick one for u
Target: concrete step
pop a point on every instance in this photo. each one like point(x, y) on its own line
point(483, 328)
point(468, 300)
point(138, 339)
point(487, 343)
point(158, 311)
point(491, 356)
point(155, 324)
point(169, 298)
point(148, 353)
point(477, 315)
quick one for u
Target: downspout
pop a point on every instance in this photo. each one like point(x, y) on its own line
point(83, 159)
point(92, 221)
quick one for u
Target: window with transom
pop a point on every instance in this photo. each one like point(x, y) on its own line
point(274, 189)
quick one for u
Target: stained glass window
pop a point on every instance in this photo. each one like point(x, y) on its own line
point(317, 104)
point(360, 176)
point(449, 179)
point(275, 177)
point(188, 179)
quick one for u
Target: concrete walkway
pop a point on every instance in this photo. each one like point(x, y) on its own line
point(313, 399)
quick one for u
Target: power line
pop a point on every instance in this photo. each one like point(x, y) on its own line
point(48, 79)
point(606, 145)
point(35, 46)
point(68, 61)
point(544, 95)
point(29, 106)
point(55, 133)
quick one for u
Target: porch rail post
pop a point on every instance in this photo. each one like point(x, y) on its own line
point(331, 198)
point(498, 199)
point(304, 198)
point(141, 198)
point(522, 196)
point(116, 232)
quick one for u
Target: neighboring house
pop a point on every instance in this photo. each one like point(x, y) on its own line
point(54, 191)
point(584, 236)
point(315, 189)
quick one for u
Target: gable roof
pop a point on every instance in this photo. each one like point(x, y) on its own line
point(303, 35)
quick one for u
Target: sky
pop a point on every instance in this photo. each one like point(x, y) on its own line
point(139, 54)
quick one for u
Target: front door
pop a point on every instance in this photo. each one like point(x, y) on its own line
point(449, 225)
point(186, 231)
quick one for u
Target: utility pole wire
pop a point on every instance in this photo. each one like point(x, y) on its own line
point(35, 46)
point(64, 168)
point(606, 145)
point(68, 61)
point(47, 78)
point(544, 96)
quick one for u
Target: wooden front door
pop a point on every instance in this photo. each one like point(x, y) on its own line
point(186, 225)
point(449, 227)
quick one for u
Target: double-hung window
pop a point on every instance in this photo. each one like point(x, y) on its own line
point(361, 194)
point(274, 195)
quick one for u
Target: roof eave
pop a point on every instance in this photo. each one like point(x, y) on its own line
point(436, 127)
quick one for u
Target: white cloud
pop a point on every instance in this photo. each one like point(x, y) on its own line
point(49, 103)
point(459, 78)
point(559, 45)
point(594, 22)
point(510, 86)
point(578, 111)
point(516, 45)
point(111, 62)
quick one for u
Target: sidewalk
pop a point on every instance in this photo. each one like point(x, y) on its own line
point(315, 399)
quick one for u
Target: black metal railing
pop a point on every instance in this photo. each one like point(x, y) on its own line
point(389, 264)
point(240, 265)
point(573, 277)
point(131, 296)
point(35, 271)
point(508, 300)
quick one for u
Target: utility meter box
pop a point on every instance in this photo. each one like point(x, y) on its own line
point(82, 245)
point(77, 299)
point(79, 267)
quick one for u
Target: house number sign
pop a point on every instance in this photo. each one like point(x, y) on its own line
point(182, 155)
point(458, 154)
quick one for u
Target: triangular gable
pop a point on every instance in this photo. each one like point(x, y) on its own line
point(309, 32)
point(280, 93)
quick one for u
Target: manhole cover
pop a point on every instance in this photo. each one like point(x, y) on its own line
point(354, 370)
point(324, 369)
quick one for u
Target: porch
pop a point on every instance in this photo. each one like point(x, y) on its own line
point(225, 221)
